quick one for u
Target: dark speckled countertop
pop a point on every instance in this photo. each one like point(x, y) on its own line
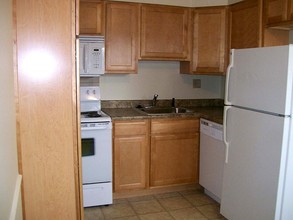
point(211, 113)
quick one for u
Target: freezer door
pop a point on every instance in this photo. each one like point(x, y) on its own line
point(255, 165)
point(261, 79)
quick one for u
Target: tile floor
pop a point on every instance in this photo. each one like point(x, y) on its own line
point(183, 205)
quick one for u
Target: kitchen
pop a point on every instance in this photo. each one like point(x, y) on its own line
point(207, 92)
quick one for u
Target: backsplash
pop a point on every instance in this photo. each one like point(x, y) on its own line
point(162, 103)
point(162, 78)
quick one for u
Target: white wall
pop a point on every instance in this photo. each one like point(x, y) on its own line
point(10, 180)
point(160, 77)
point(234, 1)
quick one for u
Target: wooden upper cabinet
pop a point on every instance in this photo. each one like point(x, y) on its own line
point(246, 24)
point(279, 13)
point(122, 37)
point(164, 32)
point(91, 17)
point(210, 49)
point(276, 10)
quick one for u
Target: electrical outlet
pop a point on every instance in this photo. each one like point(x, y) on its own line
point(197, 83)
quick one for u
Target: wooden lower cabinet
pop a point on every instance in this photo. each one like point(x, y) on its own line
point(159, 152)
point(131, 153)
point(174, 151)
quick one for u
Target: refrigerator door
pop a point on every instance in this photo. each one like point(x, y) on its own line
point(254, 171)
point(261, 79)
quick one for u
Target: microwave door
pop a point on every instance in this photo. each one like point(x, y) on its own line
point(83, 59)
point(91, 58)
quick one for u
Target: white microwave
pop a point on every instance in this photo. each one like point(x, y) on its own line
point(91, 56)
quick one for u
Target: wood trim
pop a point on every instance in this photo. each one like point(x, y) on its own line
point(16, 95)
point(77, 153)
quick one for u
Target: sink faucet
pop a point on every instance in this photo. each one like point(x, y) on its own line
point(155, 99)
point(173, 103)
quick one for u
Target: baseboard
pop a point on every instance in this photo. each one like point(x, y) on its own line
point(155, 190)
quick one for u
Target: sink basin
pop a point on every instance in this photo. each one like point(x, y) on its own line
point(164, 110)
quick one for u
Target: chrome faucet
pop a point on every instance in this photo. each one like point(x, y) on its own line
point(155, 100)
point(173, 103)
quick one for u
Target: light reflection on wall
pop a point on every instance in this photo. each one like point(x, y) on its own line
point(39, 64)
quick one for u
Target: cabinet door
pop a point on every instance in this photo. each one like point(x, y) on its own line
point(209, 40)
point(164, 32)
point(275, 11)
point(174, 151)
point(210, 48)
point(130, 155)
point(246, 24)
point(91, 18)
point(174, 159)
point(122, 38)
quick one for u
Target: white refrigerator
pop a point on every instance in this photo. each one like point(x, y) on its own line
point(258, 134)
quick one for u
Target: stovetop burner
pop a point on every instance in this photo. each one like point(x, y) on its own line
point(92, 114)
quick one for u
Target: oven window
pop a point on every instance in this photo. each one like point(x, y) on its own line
point(88, 146)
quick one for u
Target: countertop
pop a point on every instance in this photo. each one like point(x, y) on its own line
point(214, 114)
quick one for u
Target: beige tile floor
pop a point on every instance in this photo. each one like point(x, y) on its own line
point(183, 205)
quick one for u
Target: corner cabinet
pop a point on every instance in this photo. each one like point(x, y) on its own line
point(164, 32)
point(131, 153)
point(279, 12)
point(246, 24)
point(210, 42)
point(174, 151)
point(122, 20)
point(91, 17)
point(276, 11)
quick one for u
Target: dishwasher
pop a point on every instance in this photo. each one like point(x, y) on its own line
point(212, 158)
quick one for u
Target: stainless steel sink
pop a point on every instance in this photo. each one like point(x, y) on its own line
point(164, 110)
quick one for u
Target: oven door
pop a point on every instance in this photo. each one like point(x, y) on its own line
point(97, 153)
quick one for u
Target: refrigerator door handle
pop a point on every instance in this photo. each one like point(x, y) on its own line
point(227, 102)
point(226, 109)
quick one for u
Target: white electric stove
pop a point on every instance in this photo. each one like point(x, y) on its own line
point(96, 135)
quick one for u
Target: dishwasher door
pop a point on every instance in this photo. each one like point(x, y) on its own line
point(212, 158)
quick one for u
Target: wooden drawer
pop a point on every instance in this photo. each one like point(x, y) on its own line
point(130, 128)
point(163, 126)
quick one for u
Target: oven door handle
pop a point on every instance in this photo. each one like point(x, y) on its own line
point(106, 127)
